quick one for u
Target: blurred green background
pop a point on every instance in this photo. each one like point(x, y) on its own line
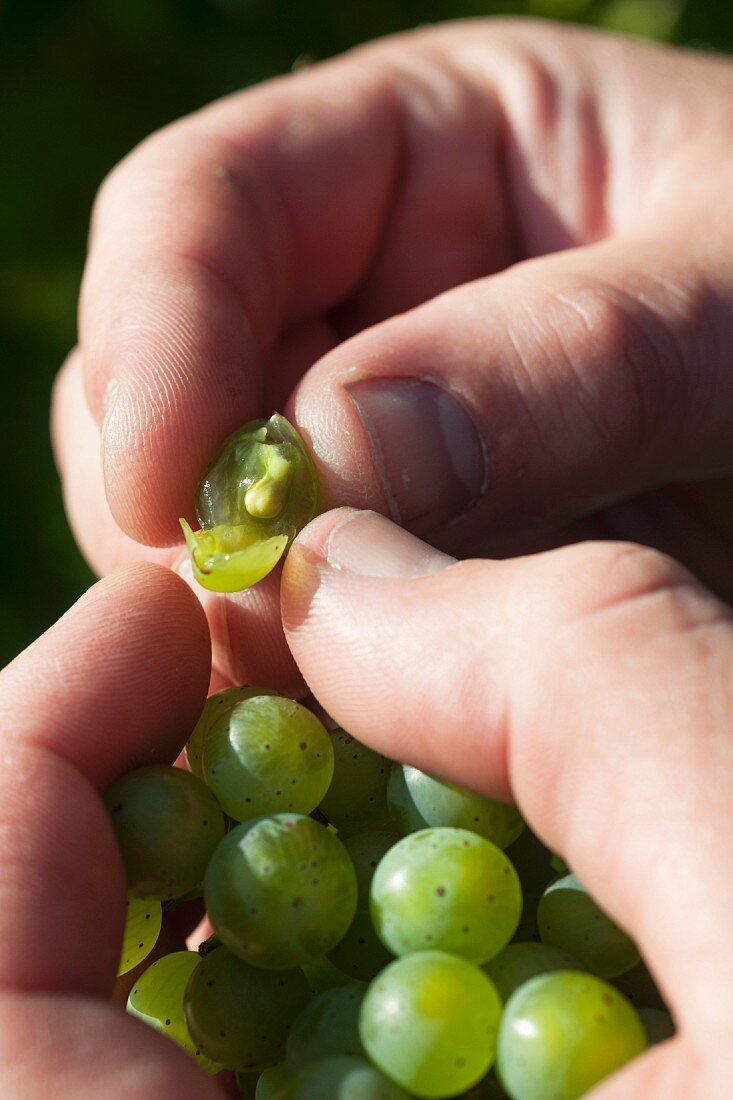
point(84, 80)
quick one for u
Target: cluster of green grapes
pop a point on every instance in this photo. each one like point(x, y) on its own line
point(372, 938)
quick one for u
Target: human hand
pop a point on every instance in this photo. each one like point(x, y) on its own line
point(591, 684)
point(485, 269)
point(119, 682)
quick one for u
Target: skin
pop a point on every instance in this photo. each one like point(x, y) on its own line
point(535, 217)
point(538, 219)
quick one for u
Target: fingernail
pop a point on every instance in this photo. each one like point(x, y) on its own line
point(370, 545)
point(426, 448)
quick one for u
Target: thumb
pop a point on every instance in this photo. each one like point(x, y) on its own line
point(591, 684)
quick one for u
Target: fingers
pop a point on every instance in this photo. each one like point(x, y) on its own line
point(75, 1046)
point(522, 402)
point(591, 683)
point(246, 632)
point(355, 190)
point(118, 683)
point(218, 235)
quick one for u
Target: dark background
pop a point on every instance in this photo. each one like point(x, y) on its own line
point(81, 82)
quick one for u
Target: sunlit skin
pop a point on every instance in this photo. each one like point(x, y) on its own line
point(586, 324)
point(536, 218)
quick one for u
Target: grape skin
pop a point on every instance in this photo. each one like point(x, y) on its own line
point(519, 962)
point(260, 489)
point(239, 1015)
point(449, 890)
point(268, 753)
point(143, 919)
point(357, 797)
point(562, 1033)
point(341, 1079)
point(280, 891)
point(214, 708)
point(569, 918)
point(417, 800)
point(327, 1027)
point(157, 1000)
point(360, 952)
point(274, 1082)
point(429, 1021)
point(167, 824)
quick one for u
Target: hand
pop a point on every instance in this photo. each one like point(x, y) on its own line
point(486, 269)
point(594, 685)
point(117, 683)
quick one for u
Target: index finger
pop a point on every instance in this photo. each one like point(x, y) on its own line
point(262, 213)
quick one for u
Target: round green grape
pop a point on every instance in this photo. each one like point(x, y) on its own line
point(240, 1015)
point(280, 890)
point(519, 962)
point(658, 1024)
point(360, 952)
point(216, 705)
point(342, 1079)
point(446, 890)
point(357, 797)
point(274, 1082)
point(429, 1021)
point(564, 1032)
point(267, 754)
point(142, 928)
point(167, 824)
point(569, 918)
point(260, 490)
point(157, 999)
point(417, 801)
point(328, 1026)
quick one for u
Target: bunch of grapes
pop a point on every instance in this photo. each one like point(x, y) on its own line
point(373, 940)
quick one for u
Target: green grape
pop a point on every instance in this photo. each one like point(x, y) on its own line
point(357, 797)
point(280, 890)
point(519, 962)
point(142, 928)
point(360, 952)
point(569, 918)
point(274, 1082)
point(429, 1021)
point(321, 974)
point(640, 988)
point(215, 706)
point(564, 1032)
point(157, 999)
point(240, 1015)
point(342, 1079)
point(259, 491)
point(447, 890)
point(417, 801)
point(658, 1024)
point(167, 824)
point(327, 1026)
point(267, 754)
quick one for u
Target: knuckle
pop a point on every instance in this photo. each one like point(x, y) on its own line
point(635, 591)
